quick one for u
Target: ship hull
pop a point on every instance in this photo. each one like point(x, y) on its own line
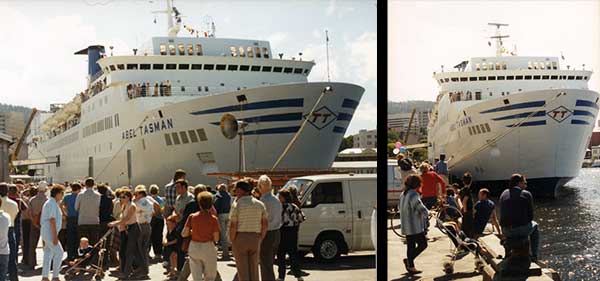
point(492, 140)
point(150, 144)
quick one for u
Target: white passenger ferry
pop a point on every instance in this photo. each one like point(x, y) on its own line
point(507, 114)
point(146, 114)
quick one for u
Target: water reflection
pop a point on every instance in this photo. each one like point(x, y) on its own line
point(570, 228)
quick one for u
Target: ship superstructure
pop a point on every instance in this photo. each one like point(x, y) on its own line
point(495, 116)
point(146, 114)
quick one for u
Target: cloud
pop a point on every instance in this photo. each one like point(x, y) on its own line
point(363, 57)
point(277, 38)
point(331, 8)
point(366, 113)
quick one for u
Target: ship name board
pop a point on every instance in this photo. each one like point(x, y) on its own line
point(461, 122)
point(148, 128)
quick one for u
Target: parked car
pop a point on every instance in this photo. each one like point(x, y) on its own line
point(338, 210)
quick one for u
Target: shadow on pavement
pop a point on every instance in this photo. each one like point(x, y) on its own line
point(342, 263)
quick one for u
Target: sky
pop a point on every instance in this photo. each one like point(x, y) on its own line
point(424, 35)
point(37, 65)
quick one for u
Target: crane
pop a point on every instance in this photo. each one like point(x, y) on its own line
point(13, 156)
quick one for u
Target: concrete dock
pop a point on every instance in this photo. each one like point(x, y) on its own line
point(439, 251)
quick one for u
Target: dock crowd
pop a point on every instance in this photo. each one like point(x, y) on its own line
point(466, 210)
point(146, 89)
point(88, 224)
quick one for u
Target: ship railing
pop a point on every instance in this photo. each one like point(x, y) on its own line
point(179, 90)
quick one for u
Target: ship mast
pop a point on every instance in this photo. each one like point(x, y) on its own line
point(498, 37)
point(172, 28)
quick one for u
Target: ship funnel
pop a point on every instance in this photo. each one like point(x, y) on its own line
point(94, 53)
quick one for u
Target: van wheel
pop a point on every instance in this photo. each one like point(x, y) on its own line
point(327, 248)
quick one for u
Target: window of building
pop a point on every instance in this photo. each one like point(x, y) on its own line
point(171, 66)
point(462, 79)
point(196, 66)
point(297, 70)
point(255, 68)
point(265, 53)
point(554, 65)
point(244, 67)
point(504, 66)
point(233, 51)
point(571, 77)
point(232, 67)
point(487, 127)
point(158, 66)
point(484, 66)
point(548, 65)
point(184, 66)
point(491, 78)
point(145, 66)
point(198, 49)
point(257, 52)
point(266, 69)
point(249, 52)
point(500, 78)
point(545, 77)
point(554, 77)
point(473, 78)
point(497, 66)
point(535, 65)
point(184, 138)
point(542, 65)
point(482, 78)
point(585, 78)
point(477, 67)
point(201, 134)
point(510, 77)
point(131, 66)
point(287, 70)
point(536, 77)
point(242, 53)
point(163, 50)
point(181, 49)
point(477, 95)
point(193, 136)
point(519, 77)
point(171, 49)
point(529, 65)
point(209, 66)
point(120, 66)
point(446, 80)
point(454, 79)
point(277, 69)
point(478, 129)
point(325, 193)
point(221, 67)
point(563, 77)
point(206, 88)
point(112, 68)
point(527, 77)
point(470, 131)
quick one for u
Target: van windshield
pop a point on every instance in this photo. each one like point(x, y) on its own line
point(301, 184)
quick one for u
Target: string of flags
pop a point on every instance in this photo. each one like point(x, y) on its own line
point(195, 31)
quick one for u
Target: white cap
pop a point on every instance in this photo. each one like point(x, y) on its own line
point(42, 186)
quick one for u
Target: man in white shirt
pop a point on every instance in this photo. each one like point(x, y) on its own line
point(4, 249)
point(10, 207)
point(146, 207)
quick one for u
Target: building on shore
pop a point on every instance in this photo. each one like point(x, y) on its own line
point(12, 123)
point(5, 142)
point(398, 123)
point(365, 139)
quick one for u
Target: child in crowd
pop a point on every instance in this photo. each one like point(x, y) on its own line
point(85, 251)
point(170, 245)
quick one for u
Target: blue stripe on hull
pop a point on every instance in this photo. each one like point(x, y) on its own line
point(344, 116)
point(271, 118)
point(583, 113)
point(282, 130)
point(340, 130)
point(520, 115)
point(254, 106)
point(516, 106)
point(586, 103)
point(350, 103)
point(531, 123)
point(579, 122)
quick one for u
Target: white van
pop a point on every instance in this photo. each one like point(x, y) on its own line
point(338, 210)
point(393, 184)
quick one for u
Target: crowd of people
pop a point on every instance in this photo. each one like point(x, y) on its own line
point(146, 89)
point(426, 189)
point(260, 227)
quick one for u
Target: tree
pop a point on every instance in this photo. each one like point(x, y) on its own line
point(393, 137)
point(347, 142)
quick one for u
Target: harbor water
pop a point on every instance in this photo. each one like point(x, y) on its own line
point(570, 228)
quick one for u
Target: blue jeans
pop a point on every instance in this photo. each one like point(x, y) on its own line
point(223, 223)
point(3, 266)
point(526, 231)
point(72, 238)
point(12, 257)
point(53, 254)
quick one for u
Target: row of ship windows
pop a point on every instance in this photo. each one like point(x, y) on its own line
point(513, 77)
point(230, 67)
point(479, 129)
point(235, 51)
point(101, 125)
point(182, 137)
point(502, 66)
point(462, 96)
